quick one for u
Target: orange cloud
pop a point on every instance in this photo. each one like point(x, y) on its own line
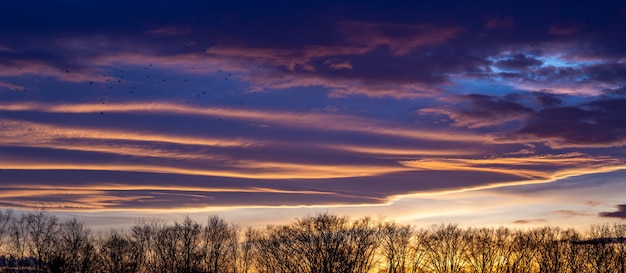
point(542, 167)
point(319, 121)
point(246, 169)
point(402, 152)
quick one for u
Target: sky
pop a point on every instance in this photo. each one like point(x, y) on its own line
point(476, 113)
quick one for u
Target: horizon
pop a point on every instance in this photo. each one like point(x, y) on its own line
point(487, 114)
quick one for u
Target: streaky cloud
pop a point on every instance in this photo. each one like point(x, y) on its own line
point(318, 121)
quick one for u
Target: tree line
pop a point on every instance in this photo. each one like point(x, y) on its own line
point(322, 243)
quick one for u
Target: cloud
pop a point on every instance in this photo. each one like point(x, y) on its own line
point(348, 71)
point(518, 62)
point(236, 168)
point(344, 69)
point(402, 152)
point(65, 189)
point(572, 213)
point(611, 73)
point(532, 168)
point(499, 22)
point(45, 69)
point(547, 99)
point(600, 123)
point(620, 213)
point(21, 133)
point(375, 59)
point(311, 120)
point(530, 221)
point(388, 59)
point(5, 48)
point(482, 111)
point(541, 117)
point(338, 65)
point(400, 38)
point(12, 86)
point(266, 154)
point(563, 29)
point(170, 30)
point(558, 74)
point(233, 171)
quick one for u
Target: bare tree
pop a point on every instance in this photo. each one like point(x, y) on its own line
point(446, 251)
point(167, 251)
point(574, 253)
point(395, 246)
point(488, 249)
point(18, 239)
point(416, 257)
point(275, 251)
point(178, 247)
point(364, 238)
point(522, 254)
point(320, 244)
point(217, 244)
point(619, 234)
point(74, 249)
point(234, 248)
point(6, 217)
point(41, 229)
point(191, 253)
point(144, 237)
point(549, 252)
point(118, 253)
point(600, 252)
point(246, 251)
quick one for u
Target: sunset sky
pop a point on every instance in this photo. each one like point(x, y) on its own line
point(261, 111)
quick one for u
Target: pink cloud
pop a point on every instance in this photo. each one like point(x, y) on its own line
point(170, 30)
point(338, 65)
point(5, 48)
point(340, 87)
point(499, 22)
point(563, 29)
point(331, 66)
point(291, 59)
point(11, 86)
point(476, 111)
point(38, 68)
point(401, 38)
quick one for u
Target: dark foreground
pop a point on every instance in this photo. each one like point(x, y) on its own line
point(323, 243)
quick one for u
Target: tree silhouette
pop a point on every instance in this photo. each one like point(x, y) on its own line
point(6, 218)
point(446, 247)
point(118, 253)
point(323, 243)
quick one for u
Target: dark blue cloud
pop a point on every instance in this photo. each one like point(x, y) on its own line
point(620, 213)
point(518, 62)
point(598, 122)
